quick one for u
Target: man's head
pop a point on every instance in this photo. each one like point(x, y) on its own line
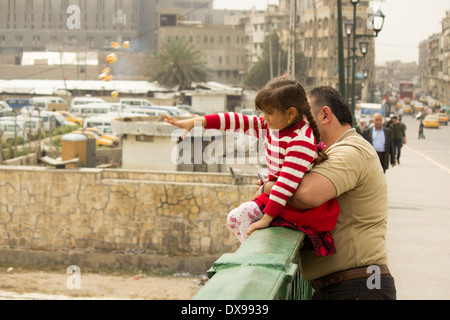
point(321, 97)
point(378, 120)
point(330, 112)
point(394, 119)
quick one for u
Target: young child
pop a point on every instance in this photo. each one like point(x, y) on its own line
point(292, 148)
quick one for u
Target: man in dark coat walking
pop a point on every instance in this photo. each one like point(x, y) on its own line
point(380, 138)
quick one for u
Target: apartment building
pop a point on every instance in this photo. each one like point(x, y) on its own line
point(434, 63)
point(40, 25)
point(318, 39)
point(224, 47)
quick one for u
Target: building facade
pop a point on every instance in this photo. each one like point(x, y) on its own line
point(318, 37)
point(434, 63)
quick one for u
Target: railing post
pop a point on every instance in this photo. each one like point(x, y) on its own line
point(265, 267)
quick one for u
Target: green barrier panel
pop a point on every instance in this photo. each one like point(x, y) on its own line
point(265, 267)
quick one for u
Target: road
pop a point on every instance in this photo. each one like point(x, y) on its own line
point(418, 239)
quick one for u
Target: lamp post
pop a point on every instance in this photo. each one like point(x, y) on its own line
point(348, 32)
point(374, 22)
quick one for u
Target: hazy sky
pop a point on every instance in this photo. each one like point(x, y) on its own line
point(407, 23)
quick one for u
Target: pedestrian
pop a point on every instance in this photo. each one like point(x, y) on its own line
point(398, 136)
point(353, 174)
point(292, 142)
point(380, 138)
point(421, 134)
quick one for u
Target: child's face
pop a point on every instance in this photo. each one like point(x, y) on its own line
point(277, 120)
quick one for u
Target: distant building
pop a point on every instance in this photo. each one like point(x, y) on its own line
point(148, 144)
point(222, 46)
point(434, 63)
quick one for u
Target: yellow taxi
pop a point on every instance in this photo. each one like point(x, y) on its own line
point(407, 108)
point(104, 136)
point(99, 141)
point(418, 107)
point(69, 117)
point(443, 118)
point(431, 121)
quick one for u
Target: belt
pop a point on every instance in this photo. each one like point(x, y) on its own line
point(350, 274)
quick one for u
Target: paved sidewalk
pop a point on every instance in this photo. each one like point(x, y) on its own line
point(418, 239)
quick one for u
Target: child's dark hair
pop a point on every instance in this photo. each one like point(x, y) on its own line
point(283, 93)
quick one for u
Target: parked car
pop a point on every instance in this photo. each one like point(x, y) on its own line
point(50, 103)
point(101, 134)
point(80, 101)
point(11, 129)
point(99, 141)
point(5, 110)
point(135, 102)
point(431, 121)
point(19, 102)
point(189, 109)
point(71, 118)
point(443, 118)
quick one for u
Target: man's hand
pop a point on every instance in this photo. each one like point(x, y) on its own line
point(264, 222)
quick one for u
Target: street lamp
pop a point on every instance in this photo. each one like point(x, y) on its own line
point(378, 21)
point(348, 32)
point(375, 22)
point(364, 46)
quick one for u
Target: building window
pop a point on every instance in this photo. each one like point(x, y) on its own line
point(145, 138)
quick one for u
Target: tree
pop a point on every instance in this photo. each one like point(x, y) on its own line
point(177, 63)
point(260, 73)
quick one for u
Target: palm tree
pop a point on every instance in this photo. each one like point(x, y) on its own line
point(177, 63)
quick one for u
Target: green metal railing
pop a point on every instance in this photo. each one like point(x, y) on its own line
point(265, 267)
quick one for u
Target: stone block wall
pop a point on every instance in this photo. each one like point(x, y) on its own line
point(111, 211)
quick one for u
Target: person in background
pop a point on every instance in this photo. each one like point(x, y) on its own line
point(380, 138)
point(421, 134)
point(398, 136)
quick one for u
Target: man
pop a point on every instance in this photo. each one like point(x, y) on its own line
point(353, 174)
point(398, 136)
point(381, 139)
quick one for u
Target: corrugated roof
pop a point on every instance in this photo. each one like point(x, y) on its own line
point(50, 87)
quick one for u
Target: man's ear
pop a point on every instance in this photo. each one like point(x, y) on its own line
point(326, 115)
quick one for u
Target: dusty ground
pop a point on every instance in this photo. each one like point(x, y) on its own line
point(32, 283)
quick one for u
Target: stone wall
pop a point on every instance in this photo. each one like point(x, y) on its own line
point(108, 211)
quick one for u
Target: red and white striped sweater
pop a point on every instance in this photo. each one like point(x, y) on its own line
point(289, 153)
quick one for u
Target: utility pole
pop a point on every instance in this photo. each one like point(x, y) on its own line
point(341, 51)
point(291, 49)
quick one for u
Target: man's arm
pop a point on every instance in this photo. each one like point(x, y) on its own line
point(313, 190)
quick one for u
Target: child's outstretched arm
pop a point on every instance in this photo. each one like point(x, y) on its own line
point(186, 124)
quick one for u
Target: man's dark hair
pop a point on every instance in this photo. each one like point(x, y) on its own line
point(328, 96)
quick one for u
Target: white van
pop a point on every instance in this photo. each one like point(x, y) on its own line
point(79, 101)
point(149, 112)
point(135, 102)
point(95, 122)
point(9, 127)
point(50, 104)
point(26, 123)
point(90, 110)
point(5, 109)
point(97, 109)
